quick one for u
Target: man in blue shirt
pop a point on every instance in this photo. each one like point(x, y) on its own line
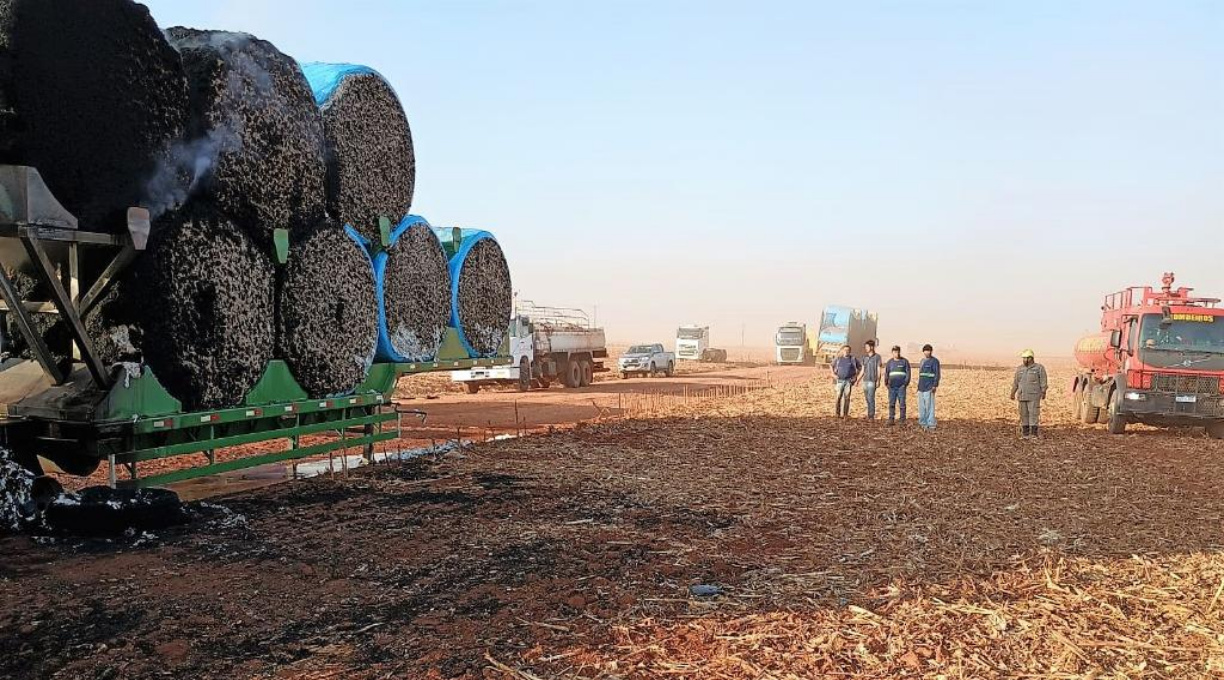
point(928, 382)
point(845, 372)
point(897, 375)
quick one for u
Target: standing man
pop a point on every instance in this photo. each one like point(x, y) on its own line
point(928, 382)
point(1029, 389)
point(845, 371)
point(869, 378)
point(897, 374)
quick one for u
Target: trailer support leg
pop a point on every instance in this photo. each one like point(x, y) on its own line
point(67, 310)
point(111, 481)
point(26, 325)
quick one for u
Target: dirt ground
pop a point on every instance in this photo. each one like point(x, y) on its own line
point(831, 549)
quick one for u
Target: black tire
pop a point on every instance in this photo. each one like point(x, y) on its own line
point(671, 369)
point(624, 375)
point(102, 511)
point(653, 371)
point(573, 374)
point(1115, 422)
point(471, 387)
point(588, 373)
point(1088, 414)
point(1216, 430)
point(524, 381)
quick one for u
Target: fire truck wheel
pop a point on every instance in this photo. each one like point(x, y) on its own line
point(524, 381)
point(1116, 422)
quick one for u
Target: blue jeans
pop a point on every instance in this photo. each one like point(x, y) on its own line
point(869, 393)
point(844, 388)
point(896, 397)
point(926, 410)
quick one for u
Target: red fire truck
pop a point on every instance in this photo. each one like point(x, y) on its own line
point(1158, 360)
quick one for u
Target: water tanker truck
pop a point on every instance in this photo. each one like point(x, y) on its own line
point(547, 344)
point(1158, 360)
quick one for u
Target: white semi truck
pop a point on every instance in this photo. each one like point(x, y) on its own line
point(692, 342)
point(547, 345)
point(792, 344)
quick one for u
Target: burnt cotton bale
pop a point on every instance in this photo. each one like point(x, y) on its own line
point(371, 168)
point(415, 293)
point(256, 137)
point(198, 305)
point(93, 96)
point(327, 312)
point(481, 297)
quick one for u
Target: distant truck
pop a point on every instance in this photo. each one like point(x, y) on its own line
point(840, 326)
point(691, 342)
point(1158, 359)
point(792, 345)
point(547, 344)
point(647, 360)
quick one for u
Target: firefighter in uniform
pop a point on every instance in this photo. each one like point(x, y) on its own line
point(1028, 389)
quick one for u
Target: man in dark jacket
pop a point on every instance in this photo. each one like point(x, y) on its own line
point(897, 375)
point(845, 372)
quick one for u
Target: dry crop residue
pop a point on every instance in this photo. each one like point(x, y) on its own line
point(842, 549)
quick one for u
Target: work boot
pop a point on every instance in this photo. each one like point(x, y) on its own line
point(1034, 432)
point(1024, 431)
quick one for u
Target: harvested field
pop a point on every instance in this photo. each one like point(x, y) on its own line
point(327, 312)
point(416, 294)
point(255, 144)
point(371, 169)
point(89, 85)
point(838, 549)
point(205, 292)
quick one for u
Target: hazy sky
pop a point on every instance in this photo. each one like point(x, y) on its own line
point(979, 173)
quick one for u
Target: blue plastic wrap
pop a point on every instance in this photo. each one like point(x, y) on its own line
point(386, 350)
point(325, 78)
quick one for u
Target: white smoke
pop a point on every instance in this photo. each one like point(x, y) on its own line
point(185, 165)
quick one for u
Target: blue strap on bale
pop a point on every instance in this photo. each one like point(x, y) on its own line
point(468, 238)
point(325, 78)
point(386, 350)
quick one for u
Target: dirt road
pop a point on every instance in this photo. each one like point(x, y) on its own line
point(501, 411)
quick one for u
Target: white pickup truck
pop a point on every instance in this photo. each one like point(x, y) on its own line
point(648, 360)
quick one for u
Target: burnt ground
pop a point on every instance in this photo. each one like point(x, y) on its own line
point(842, 550)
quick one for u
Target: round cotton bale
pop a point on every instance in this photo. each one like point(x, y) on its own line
point(256, 147)
point(91, 95)
point(371, 169)
point(481, 296)
point(414, 285)
point(328, 312)
point(199, 306)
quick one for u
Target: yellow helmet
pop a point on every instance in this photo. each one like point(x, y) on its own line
point(1026, 354)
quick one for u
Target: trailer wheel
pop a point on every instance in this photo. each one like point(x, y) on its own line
point(1088, 414)
point(588, 373)
point(471, 387)
point(1116, 422)
point(524, 381)
point(573, 374)
point(1216, 430)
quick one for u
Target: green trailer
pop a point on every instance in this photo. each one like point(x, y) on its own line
point(92, 415)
